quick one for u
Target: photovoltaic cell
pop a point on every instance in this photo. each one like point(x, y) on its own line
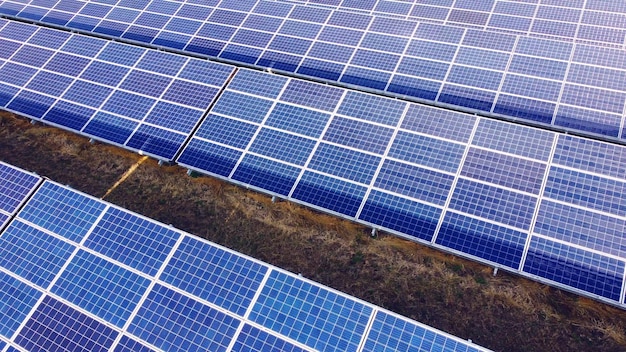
point(15, 185)
point(287, 302)
point(55, 326)
point(100, 287)
point(391, 333)
point(131, 240)
point(482, 239)
point(127, 344)
point(174, 322)
point(33, 254)
point(574, 267)
point(62, 211)
point(16, 301)
point(406, 216)
point(201, 269)
point(251, 338)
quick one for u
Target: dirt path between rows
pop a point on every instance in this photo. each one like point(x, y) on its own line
point(504, 313)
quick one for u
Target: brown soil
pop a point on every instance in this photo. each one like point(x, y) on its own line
point(504, 313)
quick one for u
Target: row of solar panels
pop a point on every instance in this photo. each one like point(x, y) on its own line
point(595, 21)
point(538, 203)
point(79, 274)
point(576, 87)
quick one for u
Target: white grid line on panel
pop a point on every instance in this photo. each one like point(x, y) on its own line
point(382, 160)
point(319, 141)
point(368, 326)
point(622, 124)
point(577, 246)
point(406, 48)
point(504, 74)
point(314, 41)
point(153, 280)
point(455, 181)
point(260, 127)
point(453, 6)
point(356, 48)
point(544, 182)
point(569, 64)
point(456, 53)
point(117, 87)
point(249, 310)
point(37, 68)
point(69, 86)
point(47, 290)
point(269, 42)
point(491, 13)
point(622, 298)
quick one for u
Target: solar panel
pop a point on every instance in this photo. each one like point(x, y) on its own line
point(143, 100)
point(15, 187)
point(564, 70)
point(491, 190)
point(123, 282)
point(599, 22)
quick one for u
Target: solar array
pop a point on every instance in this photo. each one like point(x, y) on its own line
point(15, 186)
point(596, 21)
point(79, 274)
point(572, 86)
point(546, 205)
point(142, 99)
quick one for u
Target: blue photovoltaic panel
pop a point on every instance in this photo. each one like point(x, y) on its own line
point(254, 339)
point(174, 322)
point(288, 306)
point(268, 39)
point(518, 174)
point(586, 190)
point(267, 174)
point(502, 169)
point(127, 344)
point(131, 240)
point(100, 287)
point(427, 151)
point(16, 301)
point(55, 326)
point(391, 333)
point(482, 239)
point(515, 139)
point(15, 186)
point(62, 211)
point(329, 193)
point(583, 227)
point(415, 182)
point(200, 269)
point(574, 267)
point(593, 156)
point(200, 303)
point(401, 214)
point(493, 203)
point(131, 84)
point(33, 254)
